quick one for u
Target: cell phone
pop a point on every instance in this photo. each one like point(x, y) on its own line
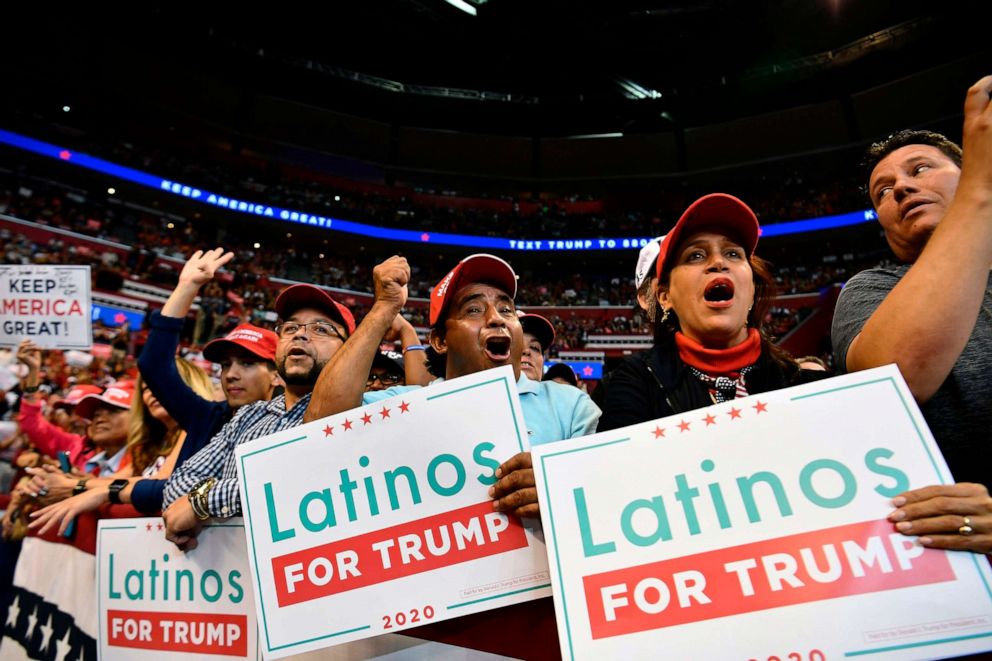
point(66, 467)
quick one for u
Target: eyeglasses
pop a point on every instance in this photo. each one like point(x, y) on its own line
point(385, 379)
point(320, 329)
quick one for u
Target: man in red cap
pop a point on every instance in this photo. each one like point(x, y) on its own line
point(474, 326)
point(248, 374)
point(312, 328)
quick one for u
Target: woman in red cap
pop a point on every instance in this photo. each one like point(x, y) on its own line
point(713, 294)
point(154, 441)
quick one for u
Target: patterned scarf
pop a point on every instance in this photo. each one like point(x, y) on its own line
point(724, 371)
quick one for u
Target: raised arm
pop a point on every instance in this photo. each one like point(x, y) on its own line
point(415, 361)
point(923, 324)
point(342, 381)
point(47, 437)
point(198, 271)
point(157, 362)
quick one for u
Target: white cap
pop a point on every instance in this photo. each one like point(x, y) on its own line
point(646, 261)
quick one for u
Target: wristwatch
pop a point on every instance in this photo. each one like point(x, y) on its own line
point(114, 491)
point(198, 498)
point(80, 487)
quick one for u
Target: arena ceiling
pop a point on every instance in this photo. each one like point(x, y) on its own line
point(519, 67)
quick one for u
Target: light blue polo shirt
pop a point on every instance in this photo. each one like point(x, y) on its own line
point(107, 465)
point(552, 411)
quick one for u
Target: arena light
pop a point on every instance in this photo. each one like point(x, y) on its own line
point(632, 90)
point(464, 6)
point(591, 136)
point(66, 108)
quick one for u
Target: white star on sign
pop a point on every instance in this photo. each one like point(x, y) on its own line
point(62, 646)
point(32, 621)
point(46, 634)
point(14, 613)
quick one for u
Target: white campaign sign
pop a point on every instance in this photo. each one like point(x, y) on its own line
point(756, 529)
point(155, 602)
point(47, 304)
point(378, 519)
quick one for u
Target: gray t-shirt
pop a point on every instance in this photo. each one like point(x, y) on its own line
point(960, 412)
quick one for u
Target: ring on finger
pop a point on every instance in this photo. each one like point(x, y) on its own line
point(966, 529)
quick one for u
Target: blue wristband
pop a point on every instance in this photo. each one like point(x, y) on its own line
point(415, 347)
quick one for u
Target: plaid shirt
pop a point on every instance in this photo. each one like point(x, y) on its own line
point(251, 422)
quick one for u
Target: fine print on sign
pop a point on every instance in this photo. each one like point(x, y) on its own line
point(155, 602)
point(378, 519)
point(764, 517)
point(49, 305)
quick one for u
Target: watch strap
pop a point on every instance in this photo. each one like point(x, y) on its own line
point(114, 491)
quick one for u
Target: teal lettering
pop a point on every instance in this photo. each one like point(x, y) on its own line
point(369, 489)
point(589, 547)
point(270, 507)
point(153, 577)
point(716, 495)
point(806, 483)
point(685, 495)
point(210, 573)
point(459, 474)
point(901, 480)
point(347, 486)
point(317, 496)
point(114, 594)
point(240, 594)
point(489, 478)
point(411, 482)
point(661, 532)
point(180, 573)
point(140, 592)
point(771, 479)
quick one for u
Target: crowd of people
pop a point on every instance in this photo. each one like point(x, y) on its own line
point(783, 194)
point(160, 435)
point(248, 293)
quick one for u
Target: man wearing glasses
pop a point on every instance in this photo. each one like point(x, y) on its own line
point(313, 326)
point(387, 371)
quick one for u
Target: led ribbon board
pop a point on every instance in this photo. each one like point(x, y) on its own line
point(389, 234)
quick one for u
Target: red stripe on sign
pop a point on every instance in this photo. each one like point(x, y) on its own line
point(202, 633)
point(437, 541)
point(824, 564)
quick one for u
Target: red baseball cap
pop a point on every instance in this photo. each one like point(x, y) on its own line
point(76, 394)
point(539, 327)
point(489, 269)
point(118, 394)
point(298, 296)
point(258, 341)
point(716, 211)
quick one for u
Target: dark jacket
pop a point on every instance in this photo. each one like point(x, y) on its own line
point(200, 418)
point(656, 383)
